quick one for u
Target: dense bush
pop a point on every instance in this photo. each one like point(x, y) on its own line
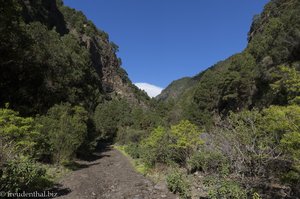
point(207, 161)
point(64, 129)
point(23, 174)
point(225, 189)
point(184, 140)
point(110, 116)
point(17, 131)
point(130, 135)
point(287, 87)
point(18, 146)
point(133, 149)
point(176, 144)
point(171, 145)
point(262, 144)
point(155, 148)
point(284, 123)
point(177, 183)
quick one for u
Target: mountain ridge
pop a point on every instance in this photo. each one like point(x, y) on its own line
point(243, 81)
point(60, 40)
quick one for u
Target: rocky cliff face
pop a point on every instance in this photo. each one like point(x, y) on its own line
point(114, 79)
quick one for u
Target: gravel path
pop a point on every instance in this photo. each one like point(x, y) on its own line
point(110, 176)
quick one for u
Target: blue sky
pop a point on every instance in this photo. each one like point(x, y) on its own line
point(164, 40)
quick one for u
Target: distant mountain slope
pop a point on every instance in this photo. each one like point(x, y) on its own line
point(244, 80)
point(176, 88)
point(51, 53)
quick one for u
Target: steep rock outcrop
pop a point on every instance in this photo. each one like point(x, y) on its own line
point(114, 79)
point(103, 56)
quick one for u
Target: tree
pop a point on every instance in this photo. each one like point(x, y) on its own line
point(184, 140)
point(284, 123)
point(17, 132)
point(155, 148)
point(288, 85)
point(65, 129)
point(18, 147)
point(255, 141)
point(110, 116)
point(171, 145)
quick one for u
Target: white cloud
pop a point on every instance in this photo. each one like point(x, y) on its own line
point(150, 89)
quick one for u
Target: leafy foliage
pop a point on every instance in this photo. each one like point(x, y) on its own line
point(177, 183)
point(23, 175)
point(18, 146)
point(288, 85)
point(54, 63)
point(110, 116)
point(247, 79)
point(64, 128)
point(133, 149)
point(17, 131)
point(184, 140)
point(261, 144)
point(207, 161)
point(225, 189)
point(171, 145)
point(155, 148)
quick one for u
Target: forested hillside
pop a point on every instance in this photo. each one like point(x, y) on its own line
point(58, 72)
point(246, 80)
point(232, 131)
point(52, 54)
point(176, 88)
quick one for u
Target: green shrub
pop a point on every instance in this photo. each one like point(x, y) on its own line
point(184, 140)
point(111, 116)
point(284, 124)
point(256, 196)
point(23, 175)
point(155, 148)
point(225, 189)
point(207, 161)
point(177, 183)
point(64, 128)
point(18, 140)
point(129, 135)
point(291, 177)
point(287, 87)
point(133, 150)
point(19, 131)
point(171, 145)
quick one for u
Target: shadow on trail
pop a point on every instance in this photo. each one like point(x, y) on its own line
point(97, 154)
point(83, 162)
point(59, 190)
point(75, 166)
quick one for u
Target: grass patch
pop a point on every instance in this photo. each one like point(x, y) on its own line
point(55, 173)
point(138, 165)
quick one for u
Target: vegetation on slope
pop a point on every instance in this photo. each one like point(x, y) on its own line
point(230, 132)
point(56, 67)
point(244, 80)
point(248, 109)
point(175, 89)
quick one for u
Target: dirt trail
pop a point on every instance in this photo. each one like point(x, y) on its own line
point(110, 176)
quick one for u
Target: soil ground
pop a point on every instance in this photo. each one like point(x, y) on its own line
point(109, 175)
